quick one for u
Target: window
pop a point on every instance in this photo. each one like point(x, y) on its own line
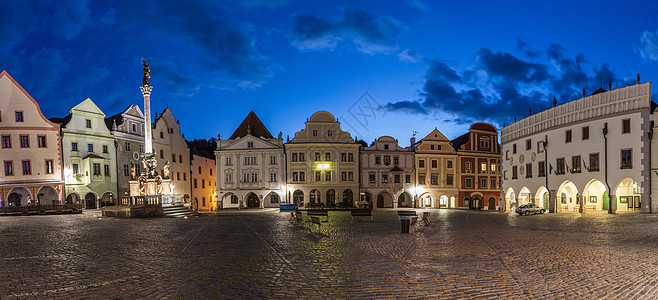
point(378, 160)
point(468, 182)
point(274, 198)
point(97, 169)
point(330, 133)
point(483, 183)
point(493, 183)
point(161, 153)
point(41, 141)
point(25, 141)
point(75, 169)
point(26, 167)
point(421, 163)
point(350, 176)
point(199, 169)
point(396, 178)
point(434, 164)
point(184, 176)
point(396, 160)
point(228, 178)
point(104, 148)
point(180, 158)
point(203, 201)
point(626, 126)
point(49, 166)
point(302, 176)
point(567, 136)
point(575, 164)
point(194, 181)
point(343, 176)
point(327, 175)
point(234, 199)
point(493, 168)
point(317, 156)
point(177, 175)
point(127, 147)
point(249, 160)
point(90, 147)
point(245, 177)
point(203, 184)
point(161, 134)
point(449, 164)
point(468, 166)
point(141, 149)
point(506, 154)
point(272, 160)
point(173, 158)
point(434, 179)
point(126, 170)
point(431, 147)
point(585, 133)
point(421, 179)
point(273, 177)
point(450, 179)
point(540, 147)
point(514, 149)
point(106, 170)
point(6, 141)
point(483, 167)
point(484, 144)
point(295, 176)
point(407, 178)
point(528, 144)
point(9, 168)
point(371, 178)
point(88, 123)
point(74, 146)
point(250, 144)
point(0, 116)
point(315, 132)
point(350, 156)
point(293, 157)
point(318, 175)
point(327, 156)
point(385, 146)
point(134, 127)
point(560, 166)
point(514, 172)
point(19, 116)
point(302, 156)
point(626, 159)
point(528, 170)
point(541, 166)
point(593, 162)
point(384, 178)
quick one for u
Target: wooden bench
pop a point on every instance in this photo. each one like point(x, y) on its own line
point(361, 213)
point(590, 207)
point(297, 216)
point(426, 218)
point(319, 222)
point(318, 213)
point(411, 214)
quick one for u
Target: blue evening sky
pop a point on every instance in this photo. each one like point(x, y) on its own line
point(382, 67)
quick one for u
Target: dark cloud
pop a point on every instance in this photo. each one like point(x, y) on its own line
point(356, 29)
point(501, 86)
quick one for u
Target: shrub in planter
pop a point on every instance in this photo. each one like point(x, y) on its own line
point(42, 211)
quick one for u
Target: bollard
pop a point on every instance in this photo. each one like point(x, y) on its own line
point(404, 225)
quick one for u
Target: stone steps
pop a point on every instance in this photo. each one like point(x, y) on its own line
point(178, 211)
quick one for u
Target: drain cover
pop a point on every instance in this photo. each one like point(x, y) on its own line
point(419, 274)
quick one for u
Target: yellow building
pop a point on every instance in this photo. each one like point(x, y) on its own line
point(204, 186)
point(436, 171)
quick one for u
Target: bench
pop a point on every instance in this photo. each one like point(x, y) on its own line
point(318, 213)
point(361, 213)
point(590, 207)
point(319, 222)
point(297, 216)
point(426, 218)
point(411, 214)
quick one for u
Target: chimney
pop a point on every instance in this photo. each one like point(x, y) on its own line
point(412, 140)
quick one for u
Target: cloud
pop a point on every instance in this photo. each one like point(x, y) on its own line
point(501, 86)
point(69, 17)
point(421, 6)
point(410, 55)
point(649, 48)
point(356, 29)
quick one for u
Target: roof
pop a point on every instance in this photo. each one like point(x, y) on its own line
point(91, 155)
point(460, 140)
point(397, 169)
point(198, 152)
point(116, 119)
point(61, 121)
point(600, 90)
point(251, 125)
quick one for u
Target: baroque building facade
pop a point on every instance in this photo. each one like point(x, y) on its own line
point(204, 185)
point(169, 145)
point(250, 167)
point(127, 128)
point(30, 152)
point(387, 174)
point(436, 172)
point(592, 153)
point(322, 164)
point(89, 155)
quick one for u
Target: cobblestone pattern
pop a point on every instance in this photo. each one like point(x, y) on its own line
point(260, 254)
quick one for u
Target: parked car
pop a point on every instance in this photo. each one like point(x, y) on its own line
point(529, 208)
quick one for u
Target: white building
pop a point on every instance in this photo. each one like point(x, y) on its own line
point(250, 167)
point(323, 164)
point(169, 145)
point(387, 174)
point(576, 156)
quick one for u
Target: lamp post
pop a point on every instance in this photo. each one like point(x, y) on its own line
point(611, 209)
point(553, 206)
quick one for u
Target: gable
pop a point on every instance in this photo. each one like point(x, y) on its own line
point(243, 143)
point(87, 106)
point(14, 98)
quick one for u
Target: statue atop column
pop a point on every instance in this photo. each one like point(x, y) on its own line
point(147, 71)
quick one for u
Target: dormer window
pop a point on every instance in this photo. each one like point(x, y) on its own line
point(134, 128)
point(250, 144)
point(161, 134)
point(88, 123)
point(330, 133)
point(386, 146)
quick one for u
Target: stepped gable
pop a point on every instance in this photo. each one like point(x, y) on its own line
point(252, 123)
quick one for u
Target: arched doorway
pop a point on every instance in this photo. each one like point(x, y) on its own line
point(384, 200)
point(90, 200)
point(314, 198)
point(73, 198)
point(510, 199)
point(272, 198)
point(298, 198)
point(426, 200)
point(443, 201)
point(569, 198)
point(627, 195)
point(524, 196)
point(252, 201)
point(47, 195)
point(19, 197)
point(404, 200)
point(230, 200)
point(593, 195)
point(492, 203)
point(348, 198)
point(541, 197)
point(107, 199)
point(331, 198)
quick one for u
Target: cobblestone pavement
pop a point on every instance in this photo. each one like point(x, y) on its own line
point(261, 254)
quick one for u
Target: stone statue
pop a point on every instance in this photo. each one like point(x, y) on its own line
point(150, 163)
point(167, 170)
point(132, 171)
point(147, 71)
point(159, 186)
point(142, 186)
